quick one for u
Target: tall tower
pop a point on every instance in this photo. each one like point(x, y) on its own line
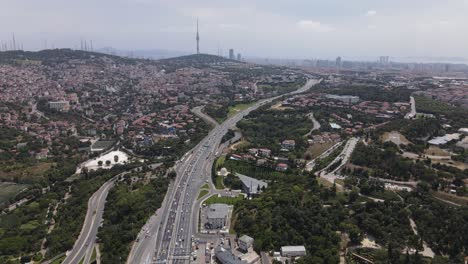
point(198, 40)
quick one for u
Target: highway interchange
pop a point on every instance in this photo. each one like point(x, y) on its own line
point(167, 236)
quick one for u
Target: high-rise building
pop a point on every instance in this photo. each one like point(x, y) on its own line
point(239, 57)
point(338, 62)
point(198, 40)
point(231, 54)
point(384, 60)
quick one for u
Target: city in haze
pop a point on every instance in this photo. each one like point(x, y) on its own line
point(234, 132)
point(295, 29)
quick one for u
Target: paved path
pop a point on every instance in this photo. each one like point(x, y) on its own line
point(316, 124)
point(412, 113)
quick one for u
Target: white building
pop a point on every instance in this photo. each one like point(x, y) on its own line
point(62, 106)
point(293, 251)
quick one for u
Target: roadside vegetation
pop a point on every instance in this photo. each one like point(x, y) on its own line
point(129, 205)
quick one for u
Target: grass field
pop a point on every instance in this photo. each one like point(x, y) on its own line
point(205, 186)
point(10, 190)
point(202, 193)
point(58, 261)
point(318, 148)
point(30, 225)
point(452, 198)
point(24, 172)
point(218, 180)
point(225, 200)
point(237, 108)
point(219, 184)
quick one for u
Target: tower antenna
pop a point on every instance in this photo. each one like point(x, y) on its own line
point(198, 40)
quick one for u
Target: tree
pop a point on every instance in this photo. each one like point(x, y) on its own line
point(108, 162)
point(99, 163)
point(116, 158)
point(172, 174)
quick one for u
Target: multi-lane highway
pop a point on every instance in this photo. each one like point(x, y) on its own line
point(166, 238)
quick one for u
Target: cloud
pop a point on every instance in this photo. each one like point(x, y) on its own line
point(314, 26)
point(371, 13)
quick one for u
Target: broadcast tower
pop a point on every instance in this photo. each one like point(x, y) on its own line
point(198, 40)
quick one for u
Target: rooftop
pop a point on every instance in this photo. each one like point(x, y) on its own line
point(218, 211)
point(251, 183)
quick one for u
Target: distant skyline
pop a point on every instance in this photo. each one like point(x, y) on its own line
point(296, 29)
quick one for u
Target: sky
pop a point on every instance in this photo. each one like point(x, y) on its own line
point(256, 28)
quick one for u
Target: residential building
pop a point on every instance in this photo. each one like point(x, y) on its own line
point(245, 243)
point(217, 216)
point(288, 144)
point(282, 167)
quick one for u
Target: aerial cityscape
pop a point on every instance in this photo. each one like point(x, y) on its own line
point(257, 132)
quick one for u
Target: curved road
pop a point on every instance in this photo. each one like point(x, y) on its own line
point(87, 237)
point(85, 243)
point(168, 240)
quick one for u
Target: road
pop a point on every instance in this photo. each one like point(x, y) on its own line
point(198, 111)
point(84, 245)
point(170, 237)
point(316, 124)
point(311, 164)
point(343, 158)
point(412, 113)
point(87, 237)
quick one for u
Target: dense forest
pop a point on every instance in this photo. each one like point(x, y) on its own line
point(269, 128)
point(369, 93)
point(290, 213)
point(457, 114)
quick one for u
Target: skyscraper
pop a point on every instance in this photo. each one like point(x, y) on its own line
point(198, 40)
point(231, 54)
point(338, 62)
point(239, 57)
point(384, 60)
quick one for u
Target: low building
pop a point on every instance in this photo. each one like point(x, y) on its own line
point(245, 243)
point(444, 139)
point(225, 256)
point(288, 144)
point(264, 152)
point(250, 185)
point(223, 172)
point(282, 167)
point(463, 130)
point(293, 251)
point(217, 216)
point(61, 106)
point(348, 99)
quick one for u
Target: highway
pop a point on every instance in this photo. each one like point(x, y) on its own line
point(166, 238)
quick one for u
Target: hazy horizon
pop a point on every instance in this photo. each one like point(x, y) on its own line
point(275, 29)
